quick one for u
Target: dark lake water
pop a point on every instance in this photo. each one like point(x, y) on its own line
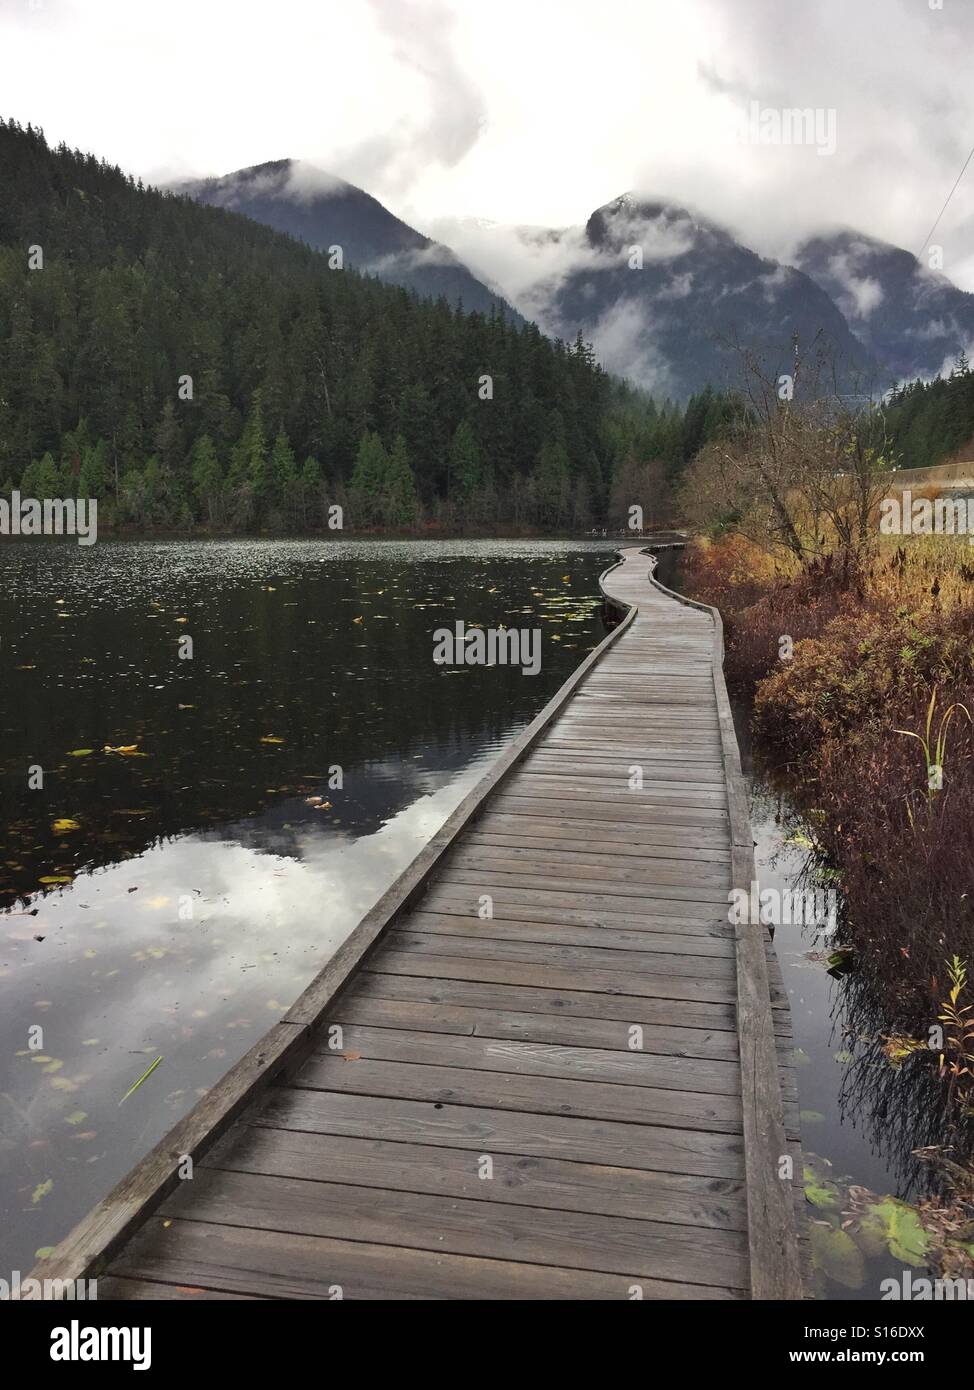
point(210, 828)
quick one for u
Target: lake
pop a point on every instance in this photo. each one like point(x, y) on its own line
point(214, 817)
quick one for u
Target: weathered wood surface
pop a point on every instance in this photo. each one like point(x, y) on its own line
point(544, 1066)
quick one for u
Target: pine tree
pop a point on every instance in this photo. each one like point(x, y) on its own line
point(399, 503)
point(368, 480)
point(310, 489)
point(208, 479)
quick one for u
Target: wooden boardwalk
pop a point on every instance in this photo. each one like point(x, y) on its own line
point(576, 1094)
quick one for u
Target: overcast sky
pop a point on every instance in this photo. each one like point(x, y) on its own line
point(526, 111)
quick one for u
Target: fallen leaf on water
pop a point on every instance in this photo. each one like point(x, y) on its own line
point(56, 878)
point(127, 750)
point(75, 1118)
point(270, 738)
point(80, 752)
point(41, 1190)
point(65, 824)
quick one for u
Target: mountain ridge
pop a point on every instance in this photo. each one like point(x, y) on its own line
point(323, 210)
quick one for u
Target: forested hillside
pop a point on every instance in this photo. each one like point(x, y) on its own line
point(304, 380)
point(930, 421)
point(185, 366)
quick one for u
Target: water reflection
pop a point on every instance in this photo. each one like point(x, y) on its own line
point(216, 863)
point(862, 1118)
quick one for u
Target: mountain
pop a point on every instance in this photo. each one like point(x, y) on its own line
point(662, 325)
point(912, 319)
point(325, 211)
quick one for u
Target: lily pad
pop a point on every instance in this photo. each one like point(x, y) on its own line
point(908, 1241)
point(836, 1254)
point(819, 1191)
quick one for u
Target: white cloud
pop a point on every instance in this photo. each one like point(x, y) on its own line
point(859, 295)
point(529, 114)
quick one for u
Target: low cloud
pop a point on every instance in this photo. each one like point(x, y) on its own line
point(858, 295)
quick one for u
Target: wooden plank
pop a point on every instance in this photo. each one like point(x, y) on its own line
point(368, 1006)
point(591, 886)
point(627, 836)
point(487, 1228)
point(534, 1094)
point(647, 960)
point(716, 945)
point(283, 1265)
point(537, 1182)
point(687, 989)
point(566, 1004)
point(662, 1148)
point(619, 1064)
point(600, 901)
point(577, 864)
point(529, 905)
point(636, 919)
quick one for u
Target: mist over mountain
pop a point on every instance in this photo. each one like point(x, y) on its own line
point(323, 211)
point(662, 293)
point(913, 320)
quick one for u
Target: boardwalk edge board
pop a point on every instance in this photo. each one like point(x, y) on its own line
point(772, 1240)
point(86, 1249)
point(776, 1264)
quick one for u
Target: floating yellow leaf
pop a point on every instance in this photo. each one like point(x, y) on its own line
point(75, 1117)
point(127, 750)
point(41, 1190)
point(56, 878)
point(80, 752)
point(61, 826)
point(271, 738)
